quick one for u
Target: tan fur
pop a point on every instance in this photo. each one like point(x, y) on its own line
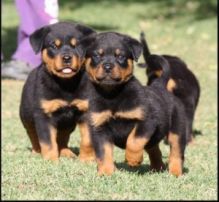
point(171, 85)
point(136, 113)
point(50, 152)
point(55, 65)
point(62, 140)
point(73, 41)
point(86, 148)
point(175, 160)
point(58, 42)
point(158, 73)
point(127, 72)
point(91, 71)
point(135, 148)
point(50, 106)
point(82, 105)
point(106, 165)
point(99, 118)
point(118, 51)
point(100, 51)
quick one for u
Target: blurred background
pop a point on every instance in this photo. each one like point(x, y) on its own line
point(171, 26)
point(185, 28)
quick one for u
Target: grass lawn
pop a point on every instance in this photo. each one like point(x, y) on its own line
point(184, 28)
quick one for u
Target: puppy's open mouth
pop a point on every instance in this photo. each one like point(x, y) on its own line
point(67, 70)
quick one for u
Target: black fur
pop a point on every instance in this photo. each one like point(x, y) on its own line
point(162, 112)
point(43, 85)
point(187, 87)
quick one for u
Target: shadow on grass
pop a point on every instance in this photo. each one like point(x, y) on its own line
point(9, 42)
point(73, 149)
point(142, 169)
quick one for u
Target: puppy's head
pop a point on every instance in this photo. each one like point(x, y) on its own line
point(109, 58)
point(60, 46)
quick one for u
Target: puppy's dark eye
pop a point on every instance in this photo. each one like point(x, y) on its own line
point(53, 46)
point(73, 46)
point(96, 57)
point(121, 58)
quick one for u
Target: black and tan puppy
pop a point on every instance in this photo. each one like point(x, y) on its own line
point(123, 113)
point(182, 82)
point(49, 105)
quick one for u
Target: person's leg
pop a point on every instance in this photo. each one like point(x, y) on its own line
point(33, 15)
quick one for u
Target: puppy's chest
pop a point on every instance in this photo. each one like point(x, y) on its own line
point(65, 106)
point(117, 114)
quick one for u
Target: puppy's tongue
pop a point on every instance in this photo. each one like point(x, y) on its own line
point(67, 70)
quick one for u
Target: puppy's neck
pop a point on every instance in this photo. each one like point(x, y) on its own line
point(67, 84)
point(109, 91)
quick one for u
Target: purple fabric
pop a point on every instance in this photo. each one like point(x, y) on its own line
point(33, 15)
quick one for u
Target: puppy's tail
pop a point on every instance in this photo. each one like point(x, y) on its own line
point(161, 65)
point(146, 51)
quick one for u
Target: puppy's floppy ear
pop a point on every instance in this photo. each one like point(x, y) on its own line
point(86, 42)
point(84, 29)
point(37, 38)
point(135, 47)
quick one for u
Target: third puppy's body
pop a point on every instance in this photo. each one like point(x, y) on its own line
point(182, 83)
point(124, 113)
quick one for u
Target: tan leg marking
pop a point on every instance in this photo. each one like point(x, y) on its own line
point(135, 148)
point(155, 157)
point(63, 139)
point(86, 148)
point(175, 159)
point(106, 166)
point(50, 152)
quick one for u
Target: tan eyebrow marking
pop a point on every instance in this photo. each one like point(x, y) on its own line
point(100, 51)
point(58, 42)
point(118, 51)
point(73, 41)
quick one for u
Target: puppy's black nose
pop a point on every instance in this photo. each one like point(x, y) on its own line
point(66, 58)
point(107, 67)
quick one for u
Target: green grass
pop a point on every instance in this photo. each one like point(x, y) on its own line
point(172, 27)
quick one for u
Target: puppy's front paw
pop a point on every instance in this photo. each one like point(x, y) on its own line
point(105, 168)
point(66, 152)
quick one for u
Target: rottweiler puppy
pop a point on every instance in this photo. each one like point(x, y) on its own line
point(182, 82)
point(49, 106)
point(123, 113)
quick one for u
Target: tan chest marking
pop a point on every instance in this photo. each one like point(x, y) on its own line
point(136, 113)
point(98, 118)
point(50, 106)
point(82, 105)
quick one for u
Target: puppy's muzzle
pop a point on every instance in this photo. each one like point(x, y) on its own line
point(66, 59)
point(107, 67)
